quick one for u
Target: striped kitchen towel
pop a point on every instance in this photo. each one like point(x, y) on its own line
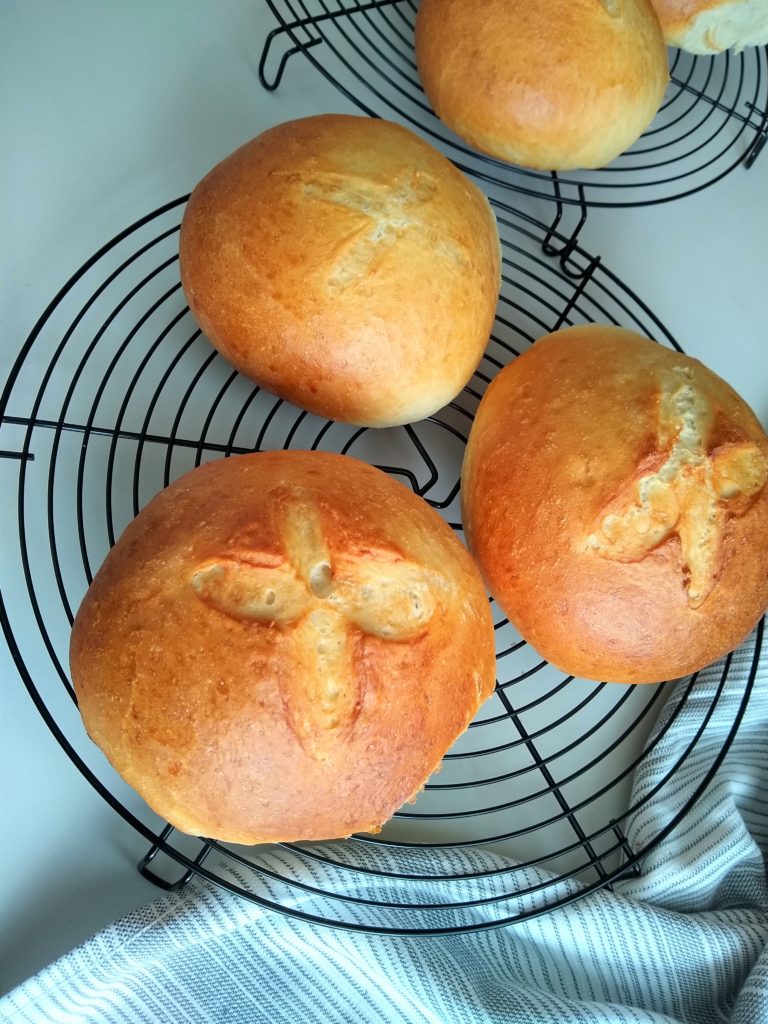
point(685, 941)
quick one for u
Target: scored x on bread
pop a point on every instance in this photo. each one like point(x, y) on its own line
point(346, 265)
point(282, 646)
point(614, 494)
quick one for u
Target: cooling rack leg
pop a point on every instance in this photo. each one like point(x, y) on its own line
point(584, 276)
point(757, 119)
point(756, 148)
point(270, 84)
point(158, 880)
point(566, 243)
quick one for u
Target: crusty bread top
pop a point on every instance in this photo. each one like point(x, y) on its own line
point(282, 646)
point(555, 84)
point(345, 265)
point(615, 497)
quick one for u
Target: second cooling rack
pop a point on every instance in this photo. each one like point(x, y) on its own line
point(713, 120)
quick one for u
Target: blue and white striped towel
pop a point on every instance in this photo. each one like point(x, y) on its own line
point(686, 941)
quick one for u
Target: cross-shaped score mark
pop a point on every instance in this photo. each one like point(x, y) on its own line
point(385, 209)
point(692, 495)
point(317, 606)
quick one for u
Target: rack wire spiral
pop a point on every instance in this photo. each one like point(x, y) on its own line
point(115, 393)
point(714, 117)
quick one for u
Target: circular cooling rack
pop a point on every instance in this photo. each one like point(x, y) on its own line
point(714, 116)
point(116, 393)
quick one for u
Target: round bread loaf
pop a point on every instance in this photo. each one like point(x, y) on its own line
point(282, 646)
point(550, 84)
point(711, 26)
point(614, 494)
point(345, 265)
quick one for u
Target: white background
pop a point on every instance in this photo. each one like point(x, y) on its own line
point(108, 110)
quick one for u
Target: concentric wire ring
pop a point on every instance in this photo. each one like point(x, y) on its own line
point(116, 393)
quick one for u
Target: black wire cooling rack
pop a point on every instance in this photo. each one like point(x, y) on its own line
point(714, 117)
point(115, 393)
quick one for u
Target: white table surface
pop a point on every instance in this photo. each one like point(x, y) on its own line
point(108, 110)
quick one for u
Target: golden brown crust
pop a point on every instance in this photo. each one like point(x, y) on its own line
point(556, 84)
point(345, 265)
point(282, 646)
point(614, 494)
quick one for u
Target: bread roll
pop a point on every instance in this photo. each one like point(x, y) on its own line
point(550, 84)
point(345, 265)
point(282, 646)
point(711, 26)
point(614, 494)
